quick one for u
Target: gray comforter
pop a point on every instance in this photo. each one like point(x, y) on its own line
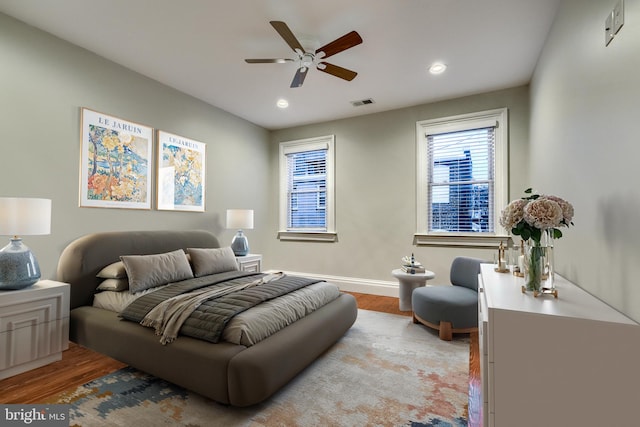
point(209, 319)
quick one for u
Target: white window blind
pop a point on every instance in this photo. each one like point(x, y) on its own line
point(460, 182)
point(307, 190)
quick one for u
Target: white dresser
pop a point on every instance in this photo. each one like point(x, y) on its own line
point(571, 361)
point(34, 326)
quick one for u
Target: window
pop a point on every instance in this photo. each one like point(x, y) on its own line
point(462, 179)
point(306, 189)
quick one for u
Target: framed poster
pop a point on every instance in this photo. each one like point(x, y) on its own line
point(115, 162)
point(181, 173)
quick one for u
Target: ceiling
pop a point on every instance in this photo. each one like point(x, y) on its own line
point(198, 47)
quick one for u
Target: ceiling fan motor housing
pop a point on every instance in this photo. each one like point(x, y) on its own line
point(307, 59)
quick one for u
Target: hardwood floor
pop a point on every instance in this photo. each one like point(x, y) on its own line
point(80, 365)
point(379, 303)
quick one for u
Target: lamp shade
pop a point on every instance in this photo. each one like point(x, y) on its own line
point(240, 218)
point(24, 216)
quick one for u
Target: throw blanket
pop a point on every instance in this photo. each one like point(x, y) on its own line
point(168, 316)
point(209, 309)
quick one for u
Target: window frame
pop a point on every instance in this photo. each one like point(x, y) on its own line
point(497, 118)
point(308, 144)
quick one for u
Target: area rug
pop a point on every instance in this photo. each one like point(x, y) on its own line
point(386, 371)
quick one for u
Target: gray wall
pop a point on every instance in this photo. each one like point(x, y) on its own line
point(584, 146)
point(376, 189)
point(576, 137)
point(43, 83)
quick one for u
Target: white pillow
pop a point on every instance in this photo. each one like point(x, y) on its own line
point(114, 285)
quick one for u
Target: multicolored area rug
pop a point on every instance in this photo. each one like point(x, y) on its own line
point(385, 371)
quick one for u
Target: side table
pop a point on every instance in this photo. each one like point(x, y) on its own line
point(408, 282)
point(250, 263)
point(34, 326)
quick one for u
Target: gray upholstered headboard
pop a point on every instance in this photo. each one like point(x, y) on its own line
point(83, 258)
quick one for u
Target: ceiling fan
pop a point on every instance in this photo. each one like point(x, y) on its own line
point(306, 59)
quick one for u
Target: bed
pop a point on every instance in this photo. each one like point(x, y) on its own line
point(229, 373)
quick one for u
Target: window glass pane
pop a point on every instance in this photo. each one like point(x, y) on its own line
point(460, 182)
point(307, 190)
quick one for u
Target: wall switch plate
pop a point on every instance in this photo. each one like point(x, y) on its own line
point(608, 29)
point(618, 16)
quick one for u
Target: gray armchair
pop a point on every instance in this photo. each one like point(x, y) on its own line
point(450, 309)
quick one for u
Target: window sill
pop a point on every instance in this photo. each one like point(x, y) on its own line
point(307, 236)
point(461, 240)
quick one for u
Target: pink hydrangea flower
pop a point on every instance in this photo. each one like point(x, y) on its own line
point(543, 213)
point(535, 216)
point(513, 213)
point(567, 209)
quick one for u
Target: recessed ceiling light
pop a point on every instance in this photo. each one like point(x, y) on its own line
point(282, 103)
point(437, 68)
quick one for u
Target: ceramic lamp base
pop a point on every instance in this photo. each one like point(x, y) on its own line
point(18, 267)
point(240, 244)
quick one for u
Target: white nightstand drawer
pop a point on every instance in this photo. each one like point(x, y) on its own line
point(32, 342)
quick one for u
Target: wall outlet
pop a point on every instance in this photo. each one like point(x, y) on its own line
point(618, 16)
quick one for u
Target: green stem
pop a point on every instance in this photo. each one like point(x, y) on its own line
point(535, 267)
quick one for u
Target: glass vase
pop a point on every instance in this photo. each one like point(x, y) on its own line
point(538, 264)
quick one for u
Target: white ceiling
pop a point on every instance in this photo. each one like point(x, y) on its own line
point(199, 47)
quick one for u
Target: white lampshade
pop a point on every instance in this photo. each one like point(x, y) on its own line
point(240, 219)
point(24, 216)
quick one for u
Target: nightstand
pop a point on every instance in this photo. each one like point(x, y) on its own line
point(250, 262)
point(34, 326)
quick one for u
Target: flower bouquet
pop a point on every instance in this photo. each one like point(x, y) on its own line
point(536, 219)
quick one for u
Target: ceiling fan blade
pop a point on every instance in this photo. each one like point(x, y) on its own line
point(298, 79)
point(343, 43)
point(268, 61)
point(288, 36)
point(337, 71)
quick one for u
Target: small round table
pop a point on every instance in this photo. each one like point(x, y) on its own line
point(408, 282)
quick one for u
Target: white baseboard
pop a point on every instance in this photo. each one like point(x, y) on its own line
point(355, 284)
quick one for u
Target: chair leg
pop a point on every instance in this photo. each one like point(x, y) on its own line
point(415, 319)
point(445, 329)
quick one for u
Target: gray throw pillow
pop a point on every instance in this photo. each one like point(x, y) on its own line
point(212, 260)
point(150, 271)
point(113, 271)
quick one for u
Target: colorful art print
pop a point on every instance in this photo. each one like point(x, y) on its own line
point(181, 173)
point(116, 162)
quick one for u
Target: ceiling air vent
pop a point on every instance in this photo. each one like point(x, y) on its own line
point(362, 102)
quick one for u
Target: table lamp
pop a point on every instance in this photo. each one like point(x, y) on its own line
point(20, 217)
point(240, 219)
